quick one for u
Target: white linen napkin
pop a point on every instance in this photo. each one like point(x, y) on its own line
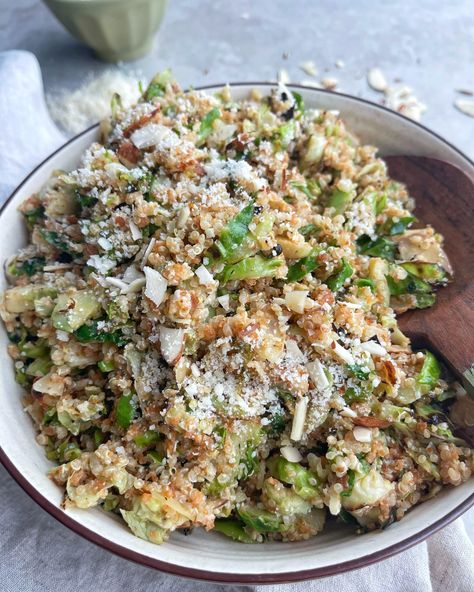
point(40, 555)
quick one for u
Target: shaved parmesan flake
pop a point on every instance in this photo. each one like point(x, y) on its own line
point(155, 285)
point(299, 418)
point(362, 434)
point(377, 80)
point(343, 354)
point(373, 348)
point(74, 110)
point(291, 453)
point(318, 376)
point(204, 276)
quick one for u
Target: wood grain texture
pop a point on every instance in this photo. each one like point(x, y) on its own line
point(444, 198)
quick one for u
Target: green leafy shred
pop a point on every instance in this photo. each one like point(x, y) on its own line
point(207, 124)
point(277, 425)
point(84, 200)
point(336, 281)
point(392, 227)
point(308, 230)
point(311, 188)
point(285, 134)
point(298, 270)
point(250, 269)
point(157, 86)
point(125, 411)
point(299, 103)
point(259, 519)
point(106, 365)
point(148, 438)
point(90, 332)
point(361, 282)
point(379, 247)
point(430, 372)
point(351, 475)
point(425, 300)
point(339, 200)
point(33, 216)
point(359, 371)
point(234, 233)
point(55, 239)
point(355, 394)
point(28, 267)
point(408, 285)
point(233, 529)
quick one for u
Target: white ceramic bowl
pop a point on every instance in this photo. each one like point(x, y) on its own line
point(211, 556)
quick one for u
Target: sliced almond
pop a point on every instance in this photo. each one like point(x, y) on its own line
point(134, 286)
point(371, 422)
point(329, 83)
point(318, 376)
point(343, 354)
point(466, 106)
point(301, 407)
point(224, 301)
point(155, 285)
point(377, 80)
point(296, 300)
point(283, 76)
point(204, 276)
point(294, 351)
point(362, 434)
point(172, 344)
point(147, 252)
point(116, 283)
point(135, 231)
point(309, 68)
point(373, 348)
point(291, 453)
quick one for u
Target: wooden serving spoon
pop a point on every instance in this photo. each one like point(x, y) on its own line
point(444, 197)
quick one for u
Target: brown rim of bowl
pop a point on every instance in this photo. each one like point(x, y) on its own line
point(224, 577)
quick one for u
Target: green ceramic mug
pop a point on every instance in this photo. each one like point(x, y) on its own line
point(115, 29)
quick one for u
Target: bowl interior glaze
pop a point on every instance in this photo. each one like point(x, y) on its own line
point(210, 556)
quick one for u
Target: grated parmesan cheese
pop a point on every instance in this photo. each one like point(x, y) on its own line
point(75, 110)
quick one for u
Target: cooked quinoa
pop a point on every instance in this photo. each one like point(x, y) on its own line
point(205, 323)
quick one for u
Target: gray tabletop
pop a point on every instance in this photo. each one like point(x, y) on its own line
point(427, 44)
